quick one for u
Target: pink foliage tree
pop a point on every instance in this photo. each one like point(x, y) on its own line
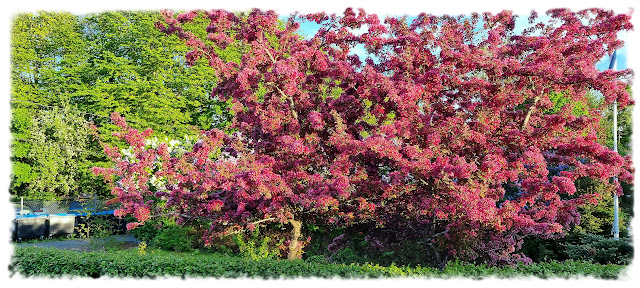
point(441, 132)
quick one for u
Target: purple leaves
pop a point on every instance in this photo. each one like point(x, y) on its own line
point(431, 133)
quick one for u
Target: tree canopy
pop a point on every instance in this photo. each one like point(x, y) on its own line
point(441, 136)
point(100, 63)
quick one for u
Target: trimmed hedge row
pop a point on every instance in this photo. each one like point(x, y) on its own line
point(52, 262)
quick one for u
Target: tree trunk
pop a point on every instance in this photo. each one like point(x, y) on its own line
point(526, 118)
point(294, 250)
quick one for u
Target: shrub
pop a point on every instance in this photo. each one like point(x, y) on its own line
point(602, 250)
point(146, 232)
point(583, 247)
point(366, 244)
point(51, 262)
point(543, 250)
point(347, 255)
point(256, 246)
point(321, 259)
point(174, 238)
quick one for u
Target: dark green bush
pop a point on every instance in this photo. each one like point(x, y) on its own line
point(582, 247)
point(544, 250)
point(51, 262)
point(146, 232)
point(321, 237)
point(166, 235)
point(348, 255)
point(174, 238)
point(411, 252)
point(602, 250)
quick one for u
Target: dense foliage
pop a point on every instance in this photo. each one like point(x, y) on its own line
point(42, 46)
point(59, 138)
point(174, 238)
point(602, 250)
point(100, 63)
point(581, 247)
point(51, 262)
point(441, 136)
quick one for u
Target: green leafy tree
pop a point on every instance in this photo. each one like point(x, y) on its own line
point(137, 71)
point(597, 216)
point(625, 131)
point(101, 63)
point(560, 101)
point(59, 137)
point(21, 172)
point(134, 69)
point(46, 50)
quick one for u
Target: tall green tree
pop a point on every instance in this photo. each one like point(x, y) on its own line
point(625, 131)
point(597, 217)
point(137, 71)
point(59, 138)
point(625, 128)
point(101, 63)
point(46, 50)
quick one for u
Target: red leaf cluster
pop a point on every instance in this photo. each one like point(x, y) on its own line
point(431, 128)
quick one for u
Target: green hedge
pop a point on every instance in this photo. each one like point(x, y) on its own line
point(52, 262)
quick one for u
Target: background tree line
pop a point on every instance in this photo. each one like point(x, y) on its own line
point(71, 70)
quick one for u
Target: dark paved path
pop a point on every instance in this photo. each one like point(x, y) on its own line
point(128, 241)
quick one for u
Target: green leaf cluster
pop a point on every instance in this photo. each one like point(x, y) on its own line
point(59, 138)
point(174, 238)
point(256, 246)
point(100, 63)
point(52, 262)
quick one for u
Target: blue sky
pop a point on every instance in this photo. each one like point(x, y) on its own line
point(310, 28)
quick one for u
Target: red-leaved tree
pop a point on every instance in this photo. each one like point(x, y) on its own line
point(439, 134)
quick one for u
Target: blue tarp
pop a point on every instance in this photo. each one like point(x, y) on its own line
point(110, 212)
point(30, 216)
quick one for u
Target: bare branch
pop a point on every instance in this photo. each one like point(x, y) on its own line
point(288, 98)
point(252, 223)
point(533, 106)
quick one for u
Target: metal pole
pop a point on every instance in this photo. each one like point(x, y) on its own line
point(615, 230)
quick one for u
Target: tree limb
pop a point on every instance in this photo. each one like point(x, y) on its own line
point(532, 107)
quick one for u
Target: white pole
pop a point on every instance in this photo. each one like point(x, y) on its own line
point(615, 230)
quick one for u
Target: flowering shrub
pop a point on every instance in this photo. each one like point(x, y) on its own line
point(428, 136)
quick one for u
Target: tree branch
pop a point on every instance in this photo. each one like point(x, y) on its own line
point(270, 56)
point(289, 98)
point(252, 223)
point(436, 235)
point(533, 106)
